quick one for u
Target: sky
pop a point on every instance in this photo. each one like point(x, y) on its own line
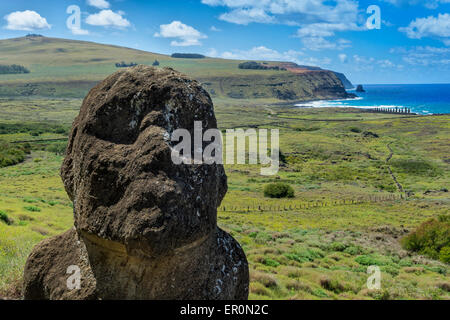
point(371, 41)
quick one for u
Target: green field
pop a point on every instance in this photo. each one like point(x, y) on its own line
point(348, 212)
point(362, 181)
point(67, 68)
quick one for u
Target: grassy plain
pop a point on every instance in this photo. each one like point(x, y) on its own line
point(69, 68)
point(315, 246)
point(75, 66)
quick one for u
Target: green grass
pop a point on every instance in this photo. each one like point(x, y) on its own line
point(12, 154)
point(69, 69)
point(312, 252)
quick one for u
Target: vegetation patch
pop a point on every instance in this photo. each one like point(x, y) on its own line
point(252, 65)
point(123, 64)
point(188, 56)
point(11, 154)
point(4, 217)
point(291, 244)
point(33, 128)
point(278, 190)
point(13, 69)
point(431, 238)
point(32, 208)
point(416, 167)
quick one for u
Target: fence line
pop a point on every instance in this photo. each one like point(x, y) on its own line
point(308, 205)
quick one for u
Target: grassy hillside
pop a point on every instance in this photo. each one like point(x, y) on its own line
point(347, 212)
point(362, 181)
point(68, 68)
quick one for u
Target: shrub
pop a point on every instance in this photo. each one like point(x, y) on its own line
point(372, 260)
point(271, 263)
point(263, 238)
point(188, 56)
point(32, 128)
point(265, 279)
point(305, 255)
point(416, 167)
point(278, 190)
point(58, 148)
point(13, 69)
point(4, 217)
point(295, 285)
point(431, 238)
point(338, 246)
point(331, 285)
point(11, 154)
point(259, 289)
point(32, 209)
point(355, 130)
point(444, 254)
point(123, 64)
point(258, 66)
point(353, 250)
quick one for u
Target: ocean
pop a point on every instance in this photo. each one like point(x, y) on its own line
point(420, 98)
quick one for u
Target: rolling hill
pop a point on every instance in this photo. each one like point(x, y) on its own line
point(69, 68)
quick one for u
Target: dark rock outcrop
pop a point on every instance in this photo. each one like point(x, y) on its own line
point(145, 228)
point(294, 85)
point(347, 84)
point(360, 88)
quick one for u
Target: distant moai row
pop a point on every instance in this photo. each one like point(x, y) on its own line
point(395, 110)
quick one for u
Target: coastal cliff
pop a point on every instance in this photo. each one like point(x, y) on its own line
point(62, 68)
point(298, 86)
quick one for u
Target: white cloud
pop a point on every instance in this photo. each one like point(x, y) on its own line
point(313, 35)
point(385, 63)
point(100, 4)
point(317, 19)
point(319, 43)
point(282, 11)
point(108, 18)
point(247, 15)
point(185, 35)
point(343, 58)
point(78, 31)
point(434, 4)
point(264, 53)
point(212, 53)
point(26, 20)
point(430, 27)
point(215, 29)
point(430, 4)
point(424, 56)
point(325, 29)
point(361, 63)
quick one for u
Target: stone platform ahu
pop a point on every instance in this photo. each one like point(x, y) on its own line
point(145, 228)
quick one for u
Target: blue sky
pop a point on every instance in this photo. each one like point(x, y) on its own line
point(411, 46)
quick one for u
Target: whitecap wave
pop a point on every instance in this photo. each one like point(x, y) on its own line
point(342, 104)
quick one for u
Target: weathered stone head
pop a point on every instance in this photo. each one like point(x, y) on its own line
point(145, 228)
point(118, 169)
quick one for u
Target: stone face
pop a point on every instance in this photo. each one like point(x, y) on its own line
point(145, 228)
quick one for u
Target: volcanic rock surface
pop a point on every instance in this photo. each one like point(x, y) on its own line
point(145, 228)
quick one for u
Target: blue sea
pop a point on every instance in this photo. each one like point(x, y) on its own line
point(420, 98)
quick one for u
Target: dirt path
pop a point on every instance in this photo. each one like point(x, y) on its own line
point(221, 87)
point(391, 154)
